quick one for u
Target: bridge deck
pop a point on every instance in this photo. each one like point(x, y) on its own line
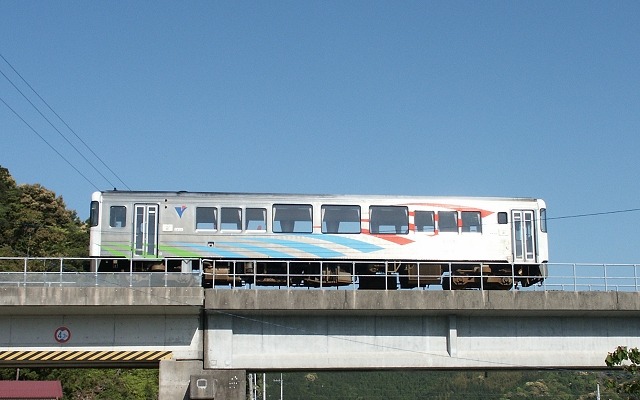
point(416, 302)
point(314, 329)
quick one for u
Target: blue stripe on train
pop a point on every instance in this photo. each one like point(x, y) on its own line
point(354, 244)
point(316, 250)
point(212, 250)
point(257, 249)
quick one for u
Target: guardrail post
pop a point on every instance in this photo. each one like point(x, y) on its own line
point(513, 276)
point(131, 272)
point(60, 280)
point(24, 275)
point(166, 275)
point(386, 274)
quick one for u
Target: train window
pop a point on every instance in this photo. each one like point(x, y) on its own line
point(292, 218)
point(118, 216)
point(502, 218)
point(206, 218)
point(94, 216)
point(471, 221)
point(424, 221)
point(388, 219)
point(230, 219)
point(447, 221)
point(340, 219)
point(543, 219)
point(255, 219)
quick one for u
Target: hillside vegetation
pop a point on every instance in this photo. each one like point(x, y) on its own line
point(440, 385)
point(35, 222)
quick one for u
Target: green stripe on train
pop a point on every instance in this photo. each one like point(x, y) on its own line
point(116, 249)
point(178, 252)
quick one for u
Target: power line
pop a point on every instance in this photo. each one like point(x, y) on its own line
point(56, 129)
point(49, 144)
point(64, 122)
point(596, 214)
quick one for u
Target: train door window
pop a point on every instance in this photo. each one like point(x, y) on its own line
point(94, 215)
point(388, 220)
point(118, 216)
point(230, 219)
point(292, 218)
point(523, 235)
point(206, 218)
point(471, 221)
point(543, 219)
point(424, 221)
point(447, 221)
point(528, 231)
point(255, 219)
point(517, 234)
point(502, 218)
point(340, 219)
point(145, 228)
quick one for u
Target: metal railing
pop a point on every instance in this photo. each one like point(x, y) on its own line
point(72, 272)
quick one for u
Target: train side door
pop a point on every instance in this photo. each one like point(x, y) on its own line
point(145, 234)
point(524, 240)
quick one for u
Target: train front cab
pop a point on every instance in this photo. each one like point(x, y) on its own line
point(526, 261)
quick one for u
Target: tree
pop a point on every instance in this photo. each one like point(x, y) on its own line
point(35, 222)
point(8, 195)
point(628, 359)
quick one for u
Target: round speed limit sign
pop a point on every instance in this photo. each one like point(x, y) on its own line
point(62, 334)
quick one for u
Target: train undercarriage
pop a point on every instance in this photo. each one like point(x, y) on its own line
point(364, 274)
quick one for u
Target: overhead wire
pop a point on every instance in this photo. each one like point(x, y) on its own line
point(49, 144)
point(596, 214)
point(57, 130)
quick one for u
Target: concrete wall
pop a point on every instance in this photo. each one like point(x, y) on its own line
point(414, 302)
point(176, 381)
point(271, 330)
point(105, 326)
point(88, 300)
point(239, 330)
point(180, 334)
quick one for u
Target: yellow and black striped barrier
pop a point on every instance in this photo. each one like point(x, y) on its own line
point(71, 357)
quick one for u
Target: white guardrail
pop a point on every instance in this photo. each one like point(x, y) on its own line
point(72, 272)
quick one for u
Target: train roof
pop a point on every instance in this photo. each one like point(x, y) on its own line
point(182, 193)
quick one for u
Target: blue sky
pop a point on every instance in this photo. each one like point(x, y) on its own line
point(496, 98)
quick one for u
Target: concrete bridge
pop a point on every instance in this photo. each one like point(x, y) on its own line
point(205, 340)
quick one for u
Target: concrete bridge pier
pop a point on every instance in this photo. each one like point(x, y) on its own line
point(186, 380)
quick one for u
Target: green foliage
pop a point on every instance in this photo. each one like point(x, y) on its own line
point(35, 222)
point(95, 384)
point(439, 385)
point(628, 359)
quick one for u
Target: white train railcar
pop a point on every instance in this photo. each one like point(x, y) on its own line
point(324, 240)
